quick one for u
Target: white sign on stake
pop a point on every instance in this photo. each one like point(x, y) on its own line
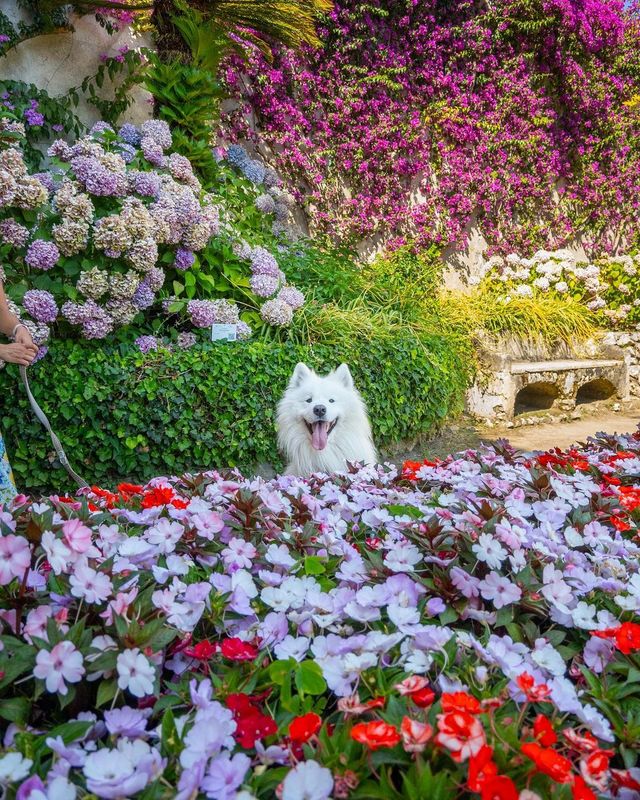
point(228, 333)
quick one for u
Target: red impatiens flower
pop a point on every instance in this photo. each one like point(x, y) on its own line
point(460, 701)
point(594, 768)
point(415, 735)
point(582, 742)
point(535, 693)
point(251, 723)
point(481, 767)
point(203, 651)
point(303, 728)
point(548, 761)
point(543, 731)
point(461, 733)
point(580, 790)
point(375, 735)
point(160, 496)
point(629, 497)
point(418, 689)
point(626, 637)
point(498, 788)
point(236, 650)
point(623, 779)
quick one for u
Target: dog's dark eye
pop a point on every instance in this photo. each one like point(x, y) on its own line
point(309, 399)
point(332, 400)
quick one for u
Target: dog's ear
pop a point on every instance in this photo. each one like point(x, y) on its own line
point(300, 373)
point(344, 376)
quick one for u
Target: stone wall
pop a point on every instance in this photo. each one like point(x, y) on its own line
point(60, 61)
point(628, 344)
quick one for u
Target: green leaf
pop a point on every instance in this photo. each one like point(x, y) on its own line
point(309, 678)
point(106, 692)
point(314, 565)
point(15, 709)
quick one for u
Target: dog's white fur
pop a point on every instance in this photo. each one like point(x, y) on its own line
point(349, 440)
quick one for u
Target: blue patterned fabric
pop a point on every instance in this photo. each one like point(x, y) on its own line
point(7, 485)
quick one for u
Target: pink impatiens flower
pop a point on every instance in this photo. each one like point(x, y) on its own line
point(15, 557)
point(62, 663)
point(77, 535)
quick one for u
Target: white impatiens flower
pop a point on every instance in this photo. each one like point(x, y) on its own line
point(489, 550)
point(135, 673)
point(307, 781)
point(62, 663)
point(584, 616)
point(90, 585)
point(402, 558)
point(14, 767)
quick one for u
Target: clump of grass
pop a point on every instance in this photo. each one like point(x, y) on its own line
point(554, 320)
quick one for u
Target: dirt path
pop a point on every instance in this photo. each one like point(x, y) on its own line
point(463, 436)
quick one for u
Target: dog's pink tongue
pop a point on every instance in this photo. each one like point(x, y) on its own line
point(319, 435)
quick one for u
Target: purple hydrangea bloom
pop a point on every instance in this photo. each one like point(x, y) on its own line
point(253, 171)
point(263, 263)
point(152, 151)
point(186, 339)
point(180, 167)
point(143, 296)
point(41, 305)
point(42, 255)
point(130, 134)
point(243, 331)
point(276, 312)
point(237, 155)
point(201, 312)
point(291, 296)
point(96, 323)
point(11, 232)
point(146, 184)
point(266, 204)
point(264, 285)
point(46, 179)
point(100, 127)
point(42, 352)
point(127, 151)
point(60, 149)
point(158, 131)
point(147, 343)
point(184, 259)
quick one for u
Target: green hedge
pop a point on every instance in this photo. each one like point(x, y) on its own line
point(125, 416)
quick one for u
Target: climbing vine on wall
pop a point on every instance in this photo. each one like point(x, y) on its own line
point(419, 117)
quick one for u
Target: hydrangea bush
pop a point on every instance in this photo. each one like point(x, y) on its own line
point(461, 628)
point(119, 230)
point(417, 119)
point(610, 286)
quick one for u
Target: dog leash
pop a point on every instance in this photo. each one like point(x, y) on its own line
point(62, 456)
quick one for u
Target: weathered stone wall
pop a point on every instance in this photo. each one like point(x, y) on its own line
point(629, 345)
point(58, 62)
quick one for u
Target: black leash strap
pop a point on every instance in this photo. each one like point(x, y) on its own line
point(62, 456)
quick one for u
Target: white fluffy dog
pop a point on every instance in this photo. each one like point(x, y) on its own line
point(323, 423)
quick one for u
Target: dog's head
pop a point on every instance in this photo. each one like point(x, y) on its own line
point(321, 402)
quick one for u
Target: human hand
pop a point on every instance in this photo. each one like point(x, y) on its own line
point(18, 353)
point(23, 336)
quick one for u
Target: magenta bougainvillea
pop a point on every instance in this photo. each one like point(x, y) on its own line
point(420, 116)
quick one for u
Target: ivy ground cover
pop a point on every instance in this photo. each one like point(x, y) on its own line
point(466, 628)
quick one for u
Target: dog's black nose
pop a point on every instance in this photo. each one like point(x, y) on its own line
point(319, 411)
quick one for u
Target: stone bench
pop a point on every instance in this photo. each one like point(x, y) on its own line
point(516, 388)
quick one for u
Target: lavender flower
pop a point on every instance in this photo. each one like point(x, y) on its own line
point(11, 232)
point(41, 305)
point(42, 255)
point(263, 263)
point(291, 296)
point(243, 331)
point(158, 131)
point(264, 285)
point(184, 259)
point(266, 204)
point(61, 150)
point(130, 134)
point(153, 152)
point(97, 324)
point(147, 343)
point(201, 312)
point(276, 312)
point(186, 339)
point(146, 184)
point(32, 116)
point(143, 296)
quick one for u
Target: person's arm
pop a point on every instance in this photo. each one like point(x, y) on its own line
point(22, 350)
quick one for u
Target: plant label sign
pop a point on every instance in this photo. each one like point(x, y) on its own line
point(227, 333)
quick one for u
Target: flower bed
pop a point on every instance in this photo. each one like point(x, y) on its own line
point(467, 628)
